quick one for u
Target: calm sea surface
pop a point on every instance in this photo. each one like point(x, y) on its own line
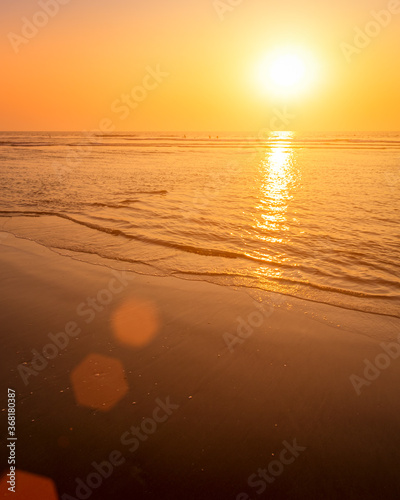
point(316, 216)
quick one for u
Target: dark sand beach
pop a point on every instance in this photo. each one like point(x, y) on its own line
point(226, 415)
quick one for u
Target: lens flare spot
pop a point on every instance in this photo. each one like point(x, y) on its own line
point(28, 485)
point(99, 382)
point(135, 322)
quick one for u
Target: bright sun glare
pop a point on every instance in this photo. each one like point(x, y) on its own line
point(286, 72)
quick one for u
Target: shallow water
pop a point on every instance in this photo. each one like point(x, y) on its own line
point(314, 216)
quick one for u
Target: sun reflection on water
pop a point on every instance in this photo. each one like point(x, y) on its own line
point(277, 169)
point(278, 180)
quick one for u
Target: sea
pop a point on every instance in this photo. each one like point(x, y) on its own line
point(309, 215)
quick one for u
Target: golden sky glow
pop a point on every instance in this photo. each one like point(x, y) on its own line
point(80, 66)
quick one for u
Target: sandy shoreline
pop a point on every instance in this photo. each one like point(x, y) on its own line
point(231, 411)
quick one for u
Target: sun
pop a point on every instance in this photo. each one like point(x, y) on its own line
point(287, 72)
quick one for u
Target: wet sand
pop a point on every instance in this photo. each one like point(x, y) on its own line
point(154, 356)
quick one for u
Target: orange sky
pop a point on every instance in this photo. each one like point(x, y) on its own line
point(75, 72)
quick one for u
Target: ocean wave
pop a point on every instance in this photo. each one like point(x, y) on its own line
point(118, 232)
point(161, 191)
point(106, 205)
point(212, 252)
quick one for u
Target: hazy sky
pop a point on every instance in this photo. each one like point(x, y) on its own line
point(87, 58)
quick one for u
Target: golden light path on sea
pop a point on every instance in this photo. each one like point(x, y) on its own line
point(277, 171)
